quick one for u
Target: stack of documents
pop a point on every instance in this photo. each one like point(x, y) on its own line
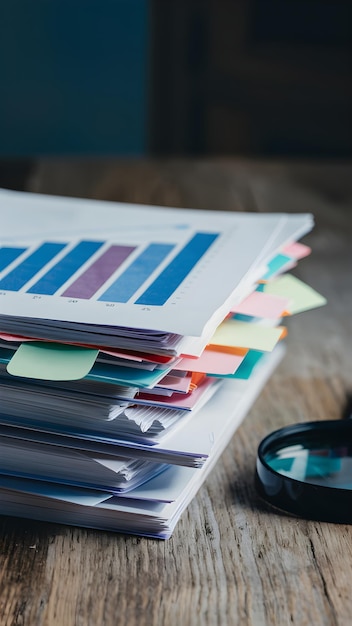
point(133, 341)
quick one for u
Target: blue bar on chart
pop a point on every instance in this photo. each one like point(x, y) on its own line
point(8, 255)
point(30, 266)
point(88, 283)
point(65, 268)
point(137, 273)
point(174, 274)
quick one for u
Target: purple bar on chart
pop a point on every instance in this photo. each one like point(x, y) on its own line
point(88, 283)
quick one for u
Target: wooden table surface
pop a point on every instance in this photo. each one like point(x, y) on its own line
point(231, 559)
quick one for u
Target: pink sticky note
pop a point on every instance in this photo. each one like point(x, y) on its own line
point(258, 306)
point(297, 250)
point(212, 362)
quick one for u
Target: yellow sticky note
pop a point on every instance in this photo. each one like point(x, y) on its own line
point(301, 296)
point(51, 361)
point(234, 332)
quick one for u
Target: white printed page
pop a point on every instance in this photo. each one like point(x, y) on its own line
point(120, 265)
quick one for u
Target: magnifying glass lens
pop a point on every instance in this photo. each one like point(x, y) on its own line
point(307, 469)
point(320, 465)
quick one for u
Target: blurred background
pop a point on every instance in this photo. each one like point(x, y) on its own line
point(168, 78)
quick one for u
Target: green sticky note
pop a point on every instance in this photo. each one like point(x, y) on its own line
point(235, 333)
point(51, 361)
point(302, 297)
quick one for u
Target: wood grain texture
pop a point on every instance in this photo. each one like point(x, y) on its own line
point(231, 560)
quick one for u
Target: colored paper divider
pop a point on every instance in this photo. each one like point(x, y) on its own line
point(302, 297)
point(261, 304)
point(245, 369)
point(233, 332)
point(51, 361)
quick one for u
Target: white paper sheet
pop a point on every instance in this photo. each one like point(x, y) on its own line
point(198, 301)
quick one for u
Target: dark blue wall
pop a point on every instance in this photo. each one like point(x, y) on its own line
point(74, 77)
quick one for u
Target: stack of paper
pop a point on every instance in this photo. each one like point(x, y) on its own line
point(133, 341)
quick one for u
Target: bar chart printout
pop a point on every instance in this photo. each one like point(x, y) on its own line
point(87, 268)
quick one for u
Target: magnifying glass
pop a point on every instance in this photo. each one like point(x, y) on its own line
point(306, 469)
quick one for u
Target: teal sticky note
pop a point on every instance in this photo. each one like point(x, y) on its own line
point(248, 364)
point(245, 369)
point(5, 355)
point(276, 264)
point(244, 318)
point(51, 361)
point(120, 375)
